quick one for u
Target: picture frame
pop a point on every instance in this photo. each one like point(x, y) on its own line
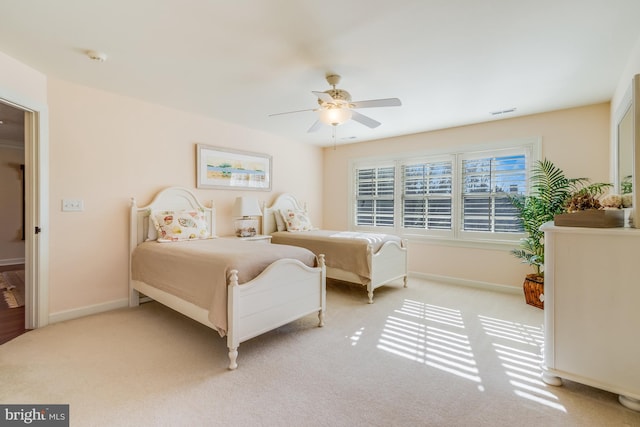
point(225, 168)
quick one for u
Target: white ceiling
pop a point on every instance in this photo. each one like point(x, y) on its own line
point(451, 62)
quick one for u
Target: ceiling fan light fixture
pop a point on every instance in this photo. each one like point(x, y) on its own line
point(335, 116)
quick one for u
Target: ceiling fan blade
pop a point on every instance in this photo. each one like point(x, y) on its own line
point(314, 127)
point(367, 121)
point(291, 112)
point(323, 96)
point(387, 102)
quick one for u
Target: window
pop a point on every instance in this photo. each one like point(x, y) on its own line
point(461, 195)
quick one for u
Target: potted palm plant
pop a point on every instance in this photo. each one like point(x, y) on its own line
point(550, 192)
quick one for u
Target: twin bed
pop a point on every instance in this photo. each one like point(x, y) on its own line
point(235, 287)
point(239, 288)
point(368, 259)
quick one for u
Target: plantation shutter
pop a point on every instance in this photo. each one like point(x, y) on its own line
point(487, 183)
point(375, 193)
point(427, 198)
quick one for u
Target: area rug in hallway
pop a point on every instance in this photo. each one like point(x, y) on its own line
point(12, 286)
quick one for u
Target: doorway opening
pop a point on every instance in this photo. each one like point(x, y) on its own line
point(24, 129)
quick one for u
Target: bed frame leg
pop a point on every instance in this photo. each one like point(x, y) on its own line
point(370, 296)
point(134, 298)
point(320, 318)
point(233, 356)
point(405, 280)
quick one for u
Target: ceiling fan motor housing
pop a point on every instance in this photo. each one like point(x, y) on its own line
point(337, 95)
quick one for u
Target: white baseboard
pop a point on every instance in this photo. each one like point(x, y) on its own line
point(121, 303)
point(11, 261)
point(467, 282)
point(87, 311)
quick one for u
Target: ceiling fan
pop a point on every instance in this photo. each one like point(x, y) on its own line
point(337, 108)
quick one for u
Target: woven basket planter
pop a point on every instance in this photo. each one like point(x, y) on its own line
point(534, 290)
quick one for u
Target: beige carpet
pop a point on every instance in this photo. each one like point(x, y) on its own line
point(12, 286)
point(428, 355)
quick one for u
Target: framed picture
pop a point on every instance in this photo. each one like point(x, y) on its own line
point(224, 168)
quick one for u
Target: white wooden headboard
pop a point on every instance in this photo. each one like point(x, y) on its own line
point(171, 198)
point(283, 202)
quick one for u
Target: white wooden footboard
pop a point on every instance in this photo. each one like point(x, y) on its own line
point(388, 264)
point(285, 291)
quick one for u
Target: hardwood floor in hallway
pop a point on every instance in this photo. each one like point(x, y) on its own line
point(11, 319)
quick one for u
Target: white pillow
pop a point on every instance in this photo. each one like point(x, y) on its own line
point(280, 225)
point(172, 226)
point(152, 233)
point(296, 220)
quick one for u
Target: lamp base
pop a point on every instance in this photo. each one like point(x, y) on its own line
point(246, 227)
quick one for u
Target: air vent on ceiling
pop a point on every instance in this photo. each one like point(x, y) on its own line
point(500, 112)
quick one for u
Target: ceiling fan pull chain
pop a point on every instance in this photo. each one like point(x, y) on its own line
point(334, 137)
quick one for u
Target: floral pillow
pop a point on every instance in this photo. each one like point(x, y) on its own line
point(296, 220)
point(174, 226)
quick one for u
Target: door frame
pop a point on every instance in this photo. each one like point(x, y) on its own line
point(36, 160)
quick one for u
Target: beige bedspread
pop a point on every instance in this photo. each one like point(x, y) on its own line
point(345, 250)
point(198, 270)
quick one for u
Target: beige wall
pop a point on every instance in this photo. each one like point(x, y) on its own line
point(106, 148)
point(11, 243)
point(576, 140)
point(20, 83)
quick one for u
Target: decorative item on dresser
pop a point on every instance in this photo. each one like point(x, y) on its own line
point(368, 259)
point(585, 209)
point(220, 283)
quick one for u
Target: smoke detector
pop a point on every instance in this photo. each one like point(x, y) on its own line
point(97, 56)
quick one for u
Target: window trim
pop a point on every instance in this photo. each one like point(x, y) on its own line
point(456, 236)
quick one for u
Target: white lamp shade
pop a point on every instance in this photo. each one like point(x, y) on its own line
point(246, 207)
point(335, 116)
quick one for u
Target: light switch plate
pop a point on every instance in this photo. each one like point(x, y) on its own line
point(72, 205)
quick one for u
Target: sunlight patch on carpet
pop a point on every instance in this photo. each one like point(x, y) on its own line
point(430, 335)
point(519, 350)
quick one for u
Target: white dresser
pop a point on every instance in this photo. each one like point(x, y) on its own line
point(592, 309)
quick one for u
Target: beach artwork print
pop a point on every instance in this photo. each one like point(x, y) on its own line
point(223, 168)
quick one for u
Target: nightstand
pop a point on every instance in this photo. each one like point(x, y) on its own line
point(261, 238)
